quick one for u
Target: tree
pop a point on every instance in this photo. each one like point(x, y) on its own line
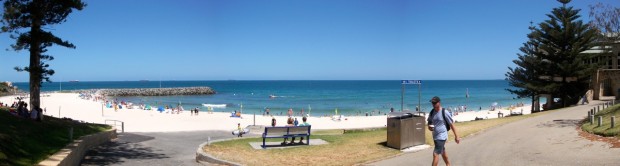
point(25, 20)
point(551, 62)
point(525, 75)
point(606, 20)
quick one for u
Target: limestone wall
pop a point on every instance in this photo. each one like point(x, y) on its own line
point(611, 76)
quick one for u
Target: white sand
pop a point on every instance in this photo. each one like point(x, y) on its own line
point(71, 106)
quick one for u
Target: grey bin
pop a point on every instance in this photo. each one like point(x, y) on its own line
point(404, 129)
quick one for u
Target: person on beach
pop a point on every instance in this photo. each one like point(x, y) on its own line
point(240, 130)
point(290, 112)
point(437, 123)
point(273, 122)
point(295, 122)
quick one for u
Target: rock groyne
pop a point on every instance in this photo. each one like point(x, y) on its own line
point(157, 91)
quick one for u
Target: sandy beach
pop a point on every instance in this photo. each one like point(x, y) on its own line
point(70, 105)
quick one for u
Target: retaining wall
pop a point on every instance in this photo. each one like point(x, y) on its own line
point(73, 153)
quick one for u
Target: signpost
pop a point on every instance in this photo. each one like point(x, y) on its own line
point(402, 98)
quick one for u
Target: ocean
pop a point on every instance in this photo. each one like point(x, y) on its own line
point(352, 97)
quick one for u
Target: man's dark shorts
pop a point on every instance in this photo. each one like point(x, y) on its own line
point(439, 146)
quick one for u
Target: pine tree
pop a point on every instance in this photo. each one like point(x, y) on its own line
point(526, 75)
point(25, 20)
point(552, 62)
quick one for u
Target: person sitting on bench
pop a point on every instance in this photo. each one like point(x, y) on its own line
point(304, 119)
point(289, 123)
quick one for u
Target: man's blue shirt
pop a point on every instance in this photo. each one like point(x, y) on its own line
point(440, 132)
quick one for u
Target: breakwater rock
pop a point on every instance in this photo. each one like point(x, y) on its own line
point(157, 91)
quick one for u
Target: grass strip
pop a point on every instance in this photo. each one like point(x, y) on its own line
point(28, 142)
point(605, 129)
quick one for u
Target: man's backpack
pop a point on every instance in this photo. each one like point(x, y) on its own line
point(445, 120)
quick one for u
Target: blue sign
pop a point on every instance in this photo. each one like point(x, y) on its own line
point(411, 81)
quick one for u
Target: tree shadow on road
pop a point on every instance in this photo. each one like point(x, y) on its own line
point(559, 123)
point(125, 147)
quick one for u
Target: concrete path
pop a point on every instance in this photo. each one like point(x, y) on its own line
point(279, 145)
point(170, 148)
point(549, 139)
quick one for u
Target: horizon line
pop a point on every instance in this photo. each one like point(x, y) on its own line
point(269, 80)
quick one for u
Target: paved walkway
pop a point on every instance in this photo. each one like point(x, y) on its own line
point(170, 148)
point(549, 139)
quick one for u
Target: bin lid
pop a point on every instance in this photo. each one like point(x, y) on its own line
point(400, 115)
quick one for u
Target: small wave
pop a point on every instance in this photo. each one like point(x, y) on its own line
point(273, 96)
point(214, 105)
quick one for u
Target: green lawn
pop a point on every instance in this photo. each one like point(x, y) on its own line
point(605, 129)
point(348, 148)
point(27, 142)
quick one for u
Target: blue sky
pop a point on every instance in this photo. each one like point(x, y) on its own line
point(290, 39)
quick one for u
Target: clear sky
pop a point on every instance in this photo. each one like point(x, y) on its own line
point(290, 39)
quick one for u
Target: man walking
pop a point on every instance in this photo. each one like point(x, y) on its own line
point(440, 122)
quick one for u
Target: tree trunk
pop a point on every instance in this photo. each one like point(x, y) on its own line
point(533, 103)
point(35, 60)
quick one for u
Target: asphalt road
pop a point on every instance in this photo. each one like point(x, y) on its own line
point(550, 139)
point(152, 149)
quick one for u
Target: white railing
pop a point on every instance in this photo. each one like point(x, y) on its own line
point(115, 124)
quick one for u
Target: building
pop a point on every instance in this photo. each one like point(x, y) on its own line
point(606, 80)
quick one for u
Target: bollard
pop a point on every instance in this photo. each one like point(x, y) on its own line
point(598, 108)
point(600, 121)
point(613, 121)
point(594, 110)
point(591, 119)
point(594, 113)
point(589, 113)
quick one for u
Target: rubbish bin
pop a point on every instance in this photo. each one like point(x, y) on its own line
point(404, 129)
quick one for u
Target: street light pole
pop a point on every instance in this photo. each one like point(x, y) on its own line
point(402, 97)
point(419, 98)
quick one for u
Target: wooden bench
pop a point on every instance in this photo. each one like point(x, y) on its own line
point(287, 132)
